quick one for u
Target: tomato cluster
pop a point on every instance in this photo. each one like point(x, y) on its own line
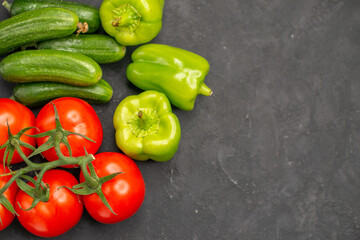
point(63, 209)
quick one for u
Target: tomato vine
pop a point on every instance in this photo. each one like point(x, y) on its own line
point(39, 192)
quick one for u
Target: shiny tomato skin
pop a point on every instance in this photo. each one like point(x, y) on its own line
point(18, 117)
point(56, 216)
point(125, 193)
point(5, 215)
point(75, 115)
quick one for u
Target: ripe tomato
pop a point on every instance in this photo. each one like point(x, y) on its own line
point(125, 193)
point(75, 115)
point(5, 215)
point(18, 117)
point(56, 216)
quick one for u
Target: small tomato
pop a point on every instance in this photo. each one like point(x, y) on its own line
point(6, 217)
point(125, 193)
point(59, 214)
point(77, 116)
point(18, 117)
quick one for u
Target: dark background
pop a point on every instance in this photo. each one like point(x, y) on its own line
point(274, 153)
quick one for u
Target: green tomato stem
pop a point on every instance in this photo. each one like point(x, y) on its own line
point(43, 167)
point(56, 137)
point(92, 181)
point(16, 175)
point(16, 145)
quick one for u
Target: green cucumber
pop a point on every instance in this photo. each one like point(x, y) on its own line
point(50, 66)
point(86, 13)
point(39, 93)
point(101, 48)
point(34, 26)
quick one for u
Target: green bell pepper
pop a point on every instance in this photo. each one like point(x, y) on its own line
point(132, 22)
point(174, 71)
point(146, 128)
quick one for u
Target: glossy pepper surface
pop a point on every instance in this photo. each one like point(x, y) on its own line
point(132, 22)
point(146, 128)
point(174, 71)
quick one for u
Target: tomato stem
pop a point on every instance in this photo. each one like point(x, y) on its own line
point(56, 137)
point(16, 175)
point(92, 181)
point(30, 164)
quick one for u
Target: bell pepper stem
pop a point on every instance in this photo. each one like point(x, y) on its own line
point(6, 5)
point(144, 121)
point(126, 17)
point(116, 22)
point(205, 90)
point(140, 114)
point(125, 20)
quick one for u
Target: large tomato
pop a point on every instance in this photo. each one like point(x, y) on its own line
point(56, 216)
point(75, 115)
point(18, 117)
point(125, 193)
point(6, 216)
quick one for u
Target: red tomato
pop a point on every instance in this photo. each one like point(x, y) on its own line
point(56, 216)
point(75, 115)
point(6, 216)
point(125, 193)
point(18, 117)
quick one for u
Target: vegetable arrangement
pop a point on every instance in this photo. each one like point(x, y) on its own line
point(63, 76)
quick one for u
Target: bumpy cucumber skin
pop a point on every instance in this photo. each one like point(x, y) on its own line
point(50, 66)
point(38, 94)
point(101, 48)
point(86, 13)
point(34, 26)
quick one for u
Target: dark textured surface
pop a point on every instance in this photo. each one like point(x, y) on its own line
point(274, 153)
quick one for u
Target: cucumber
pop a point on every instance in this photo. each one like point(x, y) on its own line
point(86, 13)
point(34, 26)
point(39, 93)
point(50, 66)
point(101, 48)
